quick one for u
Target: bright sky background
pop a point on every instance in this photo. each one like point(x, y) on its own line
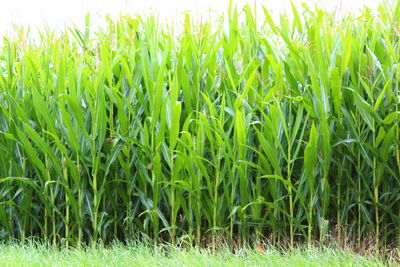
point(57, 13)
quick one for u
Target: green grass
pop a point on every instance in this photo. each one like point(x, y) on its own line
point(139, 255)
point(287, 130)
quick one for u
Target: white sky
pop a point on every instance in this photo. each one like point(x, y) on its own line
point(57, 13)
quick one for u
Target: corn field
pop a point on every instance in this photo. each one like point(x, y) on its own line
point(286, 129)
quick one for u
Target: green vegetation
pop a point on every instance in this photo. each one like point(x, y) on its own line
point(139, 255)
point(225, 128)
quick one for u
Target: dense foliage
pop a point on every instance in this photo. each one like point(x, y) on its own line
point(222, 128)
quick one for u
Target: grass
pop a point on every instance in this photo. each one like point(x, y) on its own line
point(139, 255)
point(283, 129)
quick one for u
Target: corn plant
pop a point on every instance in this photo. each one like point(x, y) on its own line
point(229, 128)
